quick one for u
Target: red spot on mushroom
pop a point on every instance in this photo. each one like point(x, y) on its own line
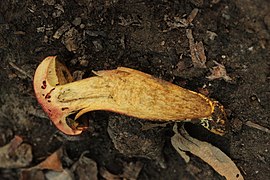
point(44, 85)
point(48, 96)
point(64, 108)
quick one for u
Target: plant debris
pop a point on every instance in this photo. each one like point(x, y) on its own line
point(15, 154)
point(219, 72)
point(131, 172)
point(180, 22)
point(197, 51)
point(257, 126)
point(53, 162)
point(85, 168)
point(213, 156)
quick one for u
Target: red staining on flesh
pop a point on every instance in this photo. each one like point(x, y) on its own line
point(44, 85)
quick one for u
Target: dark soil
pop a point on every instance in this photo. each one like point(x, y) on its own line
point(131, 33)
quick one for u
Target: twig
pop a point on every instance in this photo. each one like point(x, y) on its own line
point(257, 126)
point(20, 70)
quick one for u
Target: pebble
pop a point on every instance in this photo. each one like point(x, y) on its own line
point(77, 21)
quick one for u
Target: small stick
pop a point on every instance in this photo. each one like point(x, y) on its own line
point(257, 126)
point(20, 70)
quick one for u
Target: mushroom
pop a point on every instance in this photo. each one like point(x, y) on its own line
point(122, 90)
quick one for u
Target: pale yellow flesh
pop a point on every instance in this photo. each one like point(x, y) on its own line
point(135, 94)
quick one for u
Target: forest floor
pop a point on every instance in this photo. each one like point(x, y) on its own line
point(149, 36)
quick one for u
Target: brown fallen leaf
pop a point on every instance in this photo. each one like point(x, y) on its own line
point(122, 90)
point(197, 51)
point(213, 156)
point(14, 144)
point(53, 162)
point(15, 154)
point(219, 72)
point(108, 175)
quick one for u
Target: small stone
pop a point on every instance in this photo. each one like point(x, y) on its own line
point(66, 26)
point(84, 62)
point(97, 45)
point(77, 21)
point(56, 14)
point(82, 26)
point(162, 43)
point(211, 35)
point(71, 40)
point(49, 2)
point(78, 75)
point(41, 29)
point(74, 61)
point(198, 3)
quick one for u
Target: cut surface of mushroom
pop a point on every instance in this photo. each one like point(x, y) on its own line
point(122, 90)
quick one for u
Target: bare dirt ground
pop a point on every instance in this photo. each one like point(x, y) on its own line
point(144, 35)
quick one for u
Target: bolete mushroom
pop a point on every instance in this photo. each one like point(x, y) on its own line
point(123, 90)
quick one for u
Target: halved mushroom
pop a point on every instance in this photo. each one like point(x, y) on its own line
point(123, 90)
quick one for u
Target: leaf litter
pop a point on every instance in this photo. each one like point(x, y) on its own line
point(15, 154)
point(210, 154)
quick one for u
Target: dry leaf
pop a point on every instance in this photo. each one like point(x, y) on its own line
point(197, 51)
point(107, 175)
point(63, 175)
point(213, 156)
point(123, 90)
point(219, 72)
point(15, 154)
point(53, 162)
